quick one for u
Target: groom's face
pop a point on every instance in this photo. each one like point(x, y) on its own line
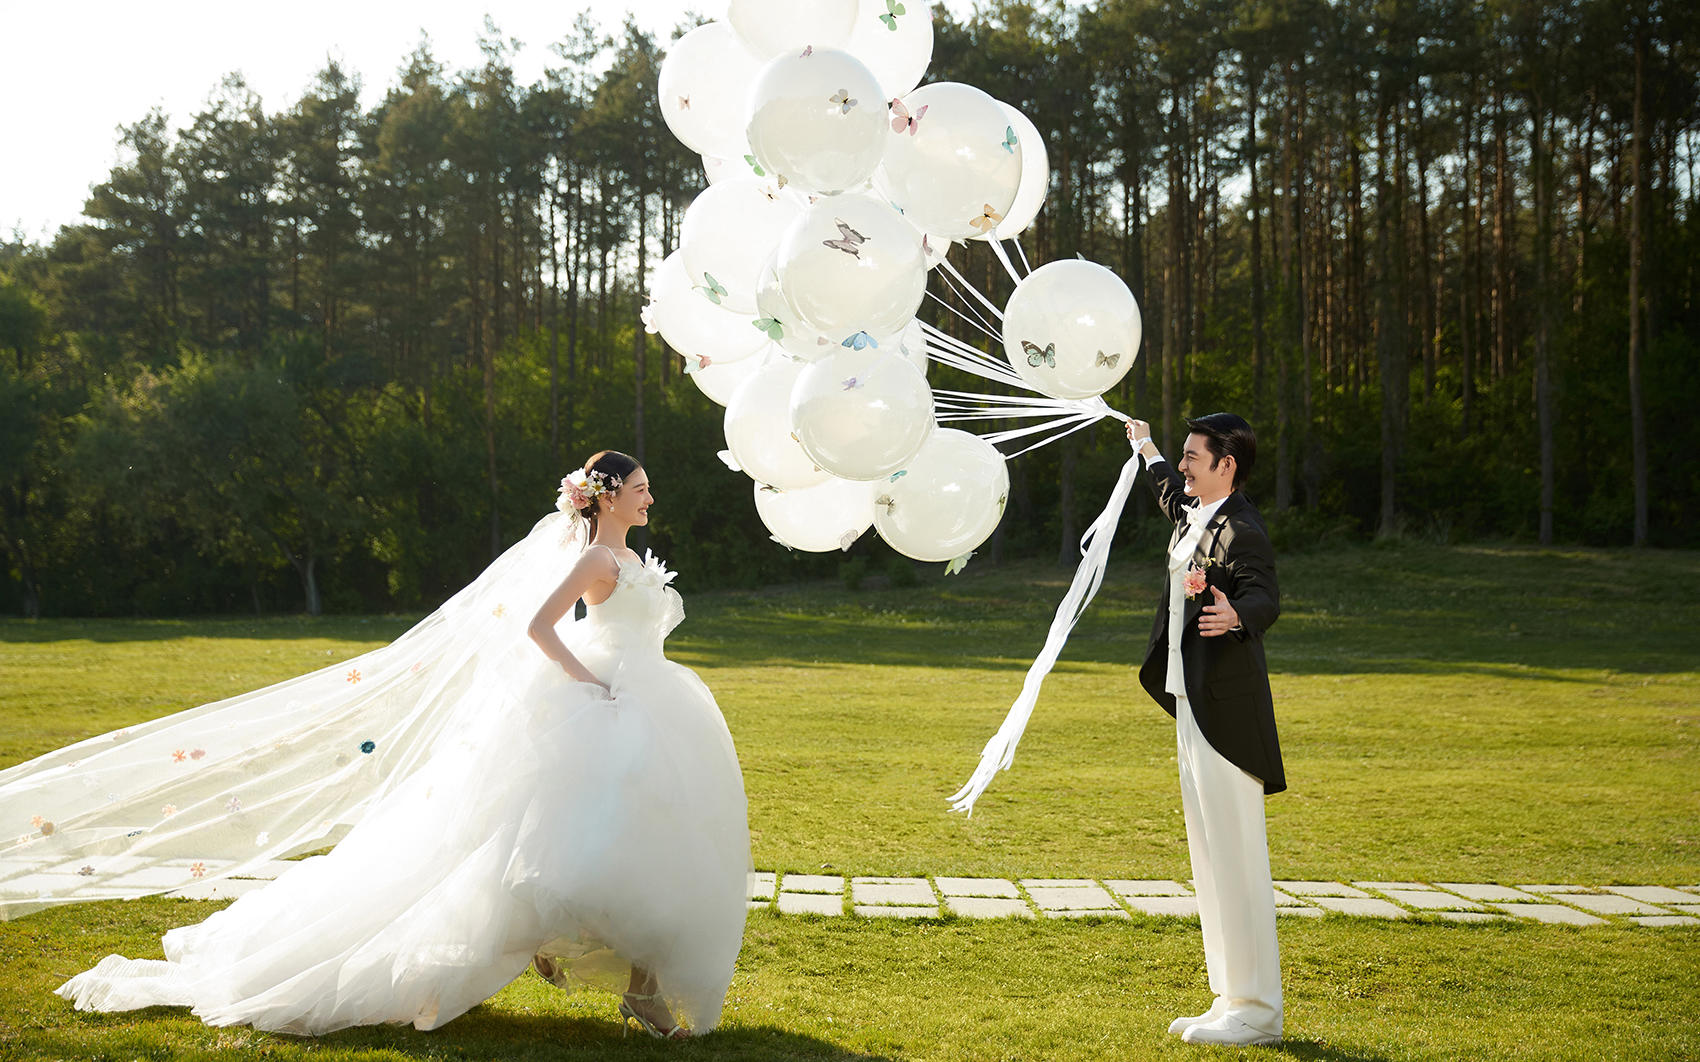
point(1207, 478)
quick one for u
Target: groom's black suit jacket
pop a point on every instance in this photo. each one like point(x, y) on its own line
point(1227, 680)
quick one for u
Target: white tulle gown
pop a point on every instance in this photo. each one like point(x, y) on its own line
point(546, 818)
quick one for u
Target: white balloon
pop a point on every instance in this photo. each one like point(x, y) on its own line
point(947, 500)
point(818, 119)
point(721, 380)
point(818, 519)
point(1071, 329)
point(776, 318)
point(770, 27)
point(896, 47)
point(691, 324)
point(703, 87)
point(852, 265)
point(950, 164)
point(1035, 175)
point(912, 343)
point(727, 234)
point(758, 429)
point(861, 414)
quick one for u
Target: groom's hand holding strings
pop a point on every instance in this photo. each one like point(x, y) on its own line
point(1218, 618)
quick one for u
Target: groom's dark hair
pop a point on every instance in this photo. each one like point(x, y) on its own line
point(1227, 435)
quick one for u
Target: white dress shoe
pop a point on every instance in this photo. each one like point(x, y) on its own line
point(1228, 1030)
point(1181, 1025)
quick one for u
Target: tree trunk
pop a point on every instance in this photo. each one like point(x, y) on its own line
point(1539, 150)
point(1258, 353)
point(1637, 210)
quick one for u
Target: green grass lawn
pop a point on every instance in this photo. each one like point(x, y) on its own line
point(1446, 713)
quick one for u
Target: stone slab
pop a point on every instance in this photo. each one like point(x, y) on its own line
point(1298, 912)
point(1609, 904)
point(913, 892)
point(988, 907)
point(1485, 892)
point(758, 905)
point(1087, 897)
point(1362, 906)
point(976, 887)
point(1383, 886)
point(1284, 900)
point(1106, 912)
point(813, 883)
point(1665, 920)
point(1171, 906)
point(759, 886)
point(1548, 889)
point(1551, 913)
point(810, 903)
point(1056, 883)
point(1472, 916)
point(1432, 901)
point(223, 889)
point(1321, 888)
point(1652, 893)
point(877, 911)
point(1148, 887)
point(1685, 908)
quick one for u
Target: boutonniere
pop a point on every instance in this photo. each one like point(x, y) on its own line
point(1194, 581)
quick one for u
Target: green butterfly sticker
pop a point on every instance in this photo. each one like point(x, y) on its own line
point(755, 166)
point(770, 327)
point(712, 290)
point(958, 563)
point(1035, 356)
point(893, 9)
point(1009, 140)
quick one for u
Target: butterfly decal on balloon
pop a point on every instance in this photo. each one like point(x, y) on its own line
point(892, 10)
point(1037, 357)
point(770, 327)
point(1009, 140)
point(987, 221)
point(849, 240)
point(899, 474)
point(695, 363)
point(886, 502)
point(712, 289)
point(860, 341)
point(843, 101)
point(902, 120)
point(684, 103)
point(956, 564)
point(1108, 361)
point(851, 384)
point(808, 50)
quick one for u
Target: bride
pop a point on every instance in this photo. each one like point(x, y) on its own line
point(579, 809)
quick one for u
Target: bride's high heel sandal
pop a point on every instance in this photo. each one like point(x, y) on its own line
point(629, 1014)
point(549, 970)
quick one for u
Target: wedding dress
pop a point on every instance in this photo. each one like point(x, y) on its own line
point(520, 813)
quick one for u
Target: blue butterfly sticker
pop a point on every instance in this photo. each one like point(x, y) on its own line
point(860, 341)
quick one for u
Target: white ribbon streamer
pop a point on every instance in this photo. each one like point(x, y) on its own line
point(999, 752)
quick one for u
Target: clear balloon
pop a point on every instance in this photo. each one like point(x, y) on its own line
point(721, 380)
point(850, 267)
point(771, 27)
point(895, 40)
point(861, 414)
point(703, 87)
point(947, 500)
point(691, 324)
point(952, 163)
point(817, 119)
point(818, 519)
point(1035, 175)
point(776, 318)
point(1071, 329)
point(758, 429)
point(727, 234)
point(912, 344)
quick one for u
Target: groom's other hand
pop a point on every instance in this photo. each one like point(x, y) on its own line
point(1139, 436)
point(1218, 618)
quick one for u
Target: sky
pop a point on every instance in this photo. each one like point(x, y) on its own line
point(73, 71)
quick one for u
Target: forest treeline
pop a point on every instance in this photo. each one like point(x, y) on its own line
point(1442, 253)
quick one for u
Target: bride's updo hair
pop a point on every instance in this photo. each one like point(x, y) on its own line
point(614, 465)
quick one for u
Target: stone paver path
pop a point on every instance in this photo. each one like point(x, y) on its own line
point(834, 895)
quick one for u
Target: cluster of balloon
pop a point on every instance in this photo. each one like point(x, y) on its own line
point(835, 184)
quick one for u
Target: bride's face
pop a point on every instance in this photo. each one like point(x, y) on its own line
point(631, 504)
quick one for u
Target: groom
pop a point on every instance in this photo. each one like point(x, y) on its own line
point(1205, 666)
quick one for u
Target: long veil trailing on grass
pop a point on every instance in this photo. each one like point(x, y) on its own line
point(217, 790)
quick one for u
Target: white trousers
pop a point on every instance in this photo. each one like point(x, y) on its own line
point(1230, 869)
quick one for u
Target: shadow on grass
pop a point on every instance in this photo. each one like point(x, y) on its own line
point(483, 1034)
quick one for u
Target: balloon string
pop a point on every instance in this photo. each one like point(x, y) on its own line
point(973, 322)
point(999, 752)
point(944, 263)
point(1003, 256)
point(1023, 253)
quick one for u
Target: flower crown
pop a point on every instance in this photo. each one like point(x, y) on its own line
point(580, 489)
